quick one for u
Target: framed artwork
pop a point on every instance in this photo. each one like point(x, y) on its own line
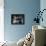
point(17, 19)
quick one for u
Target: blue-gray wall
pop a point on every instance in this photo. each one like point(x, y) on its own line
point(27, 7)
point(43, 6)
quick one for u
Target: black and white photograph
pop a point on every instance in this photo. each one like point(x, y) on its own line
point(17, 19)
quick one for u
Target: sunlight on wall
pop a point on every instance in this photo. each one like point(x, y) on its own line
point(1, 24)
point(1, 21)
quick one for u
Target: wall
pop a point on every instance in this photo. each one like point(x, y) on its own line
point(1, 21)
point(43, 6)
point(26, 7)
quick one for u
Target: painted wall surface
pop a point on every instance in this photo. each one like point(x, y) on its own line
point(26, 7)
point(43, 6)
point(1, 20)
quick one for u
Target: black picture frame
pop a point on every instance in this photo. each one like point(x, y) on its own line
point(17, 19)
